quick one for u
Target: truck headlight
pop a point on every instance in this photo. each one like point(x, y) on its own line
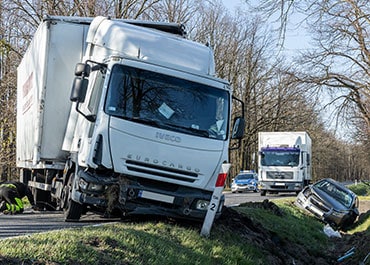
point(83, 184)
point(202, 205)
point(96, 187)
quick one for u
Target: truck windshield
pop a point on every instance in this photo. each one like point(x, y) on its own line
point(167, 102)
point(280, 158)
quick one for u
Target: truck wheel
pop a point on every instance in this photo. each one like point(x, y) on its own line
point(42, 200)
point(72, 209)
point(73, 212)
point(25, 175)
point(263, 193)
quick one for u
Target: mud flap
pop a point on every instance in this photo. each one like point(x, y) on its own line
point(215, 200)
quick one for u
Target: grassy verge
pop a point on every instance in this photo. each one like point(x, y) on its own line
point(259, 235)
point(361, 189)
point(123, 243)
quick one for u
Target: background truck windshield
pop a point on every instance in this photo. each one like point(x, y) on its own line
point(280, 158)
point(167, 102)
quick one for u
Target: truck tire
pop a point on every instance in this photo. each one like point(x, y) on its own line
point(25, 175)
point(42, 200)
point(73, 212)
point(72, 209)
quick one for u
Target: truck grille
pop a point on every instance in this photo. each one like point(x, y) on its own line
point(160, 171)
point(279, 175)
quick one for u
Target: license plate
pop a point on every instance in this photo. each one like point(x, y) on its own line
point(156, 196)
point(279, 184)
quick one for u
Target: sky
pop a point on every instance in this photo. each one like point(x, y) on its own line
point(295, 40)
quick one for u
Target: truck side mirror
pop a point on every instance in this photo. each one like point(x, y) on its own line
point(238, 129)
point(82, 69)
point(80, 83)
point(79, 89)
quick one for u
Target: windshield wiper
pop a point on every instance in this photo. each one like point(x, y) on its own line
point(187, 129)
point(146, 121)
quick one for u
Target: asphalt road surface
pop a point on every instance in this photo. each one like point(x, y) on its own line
point(233, 199)
point(36, 222)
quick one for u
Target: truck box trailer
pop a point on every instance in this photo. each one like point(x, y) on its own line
point(284, 161)
point(145, 128)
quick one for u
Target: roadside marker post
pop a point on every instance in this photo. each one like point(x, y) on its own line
point(215, 200)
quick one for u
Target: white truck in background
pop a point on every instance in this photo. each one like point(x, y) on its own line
point(145, 129)
point(284, 161)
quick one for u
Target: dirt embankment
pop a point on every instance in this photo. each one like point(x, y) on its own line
point(280, 251)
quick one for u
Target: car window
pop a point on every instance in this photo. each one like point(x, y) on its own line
point(245, 176)
point(336, 192)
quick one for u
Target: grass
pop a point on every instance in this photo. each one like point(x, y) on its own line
point(159, 242)
point(361, 189)
point(123, 243)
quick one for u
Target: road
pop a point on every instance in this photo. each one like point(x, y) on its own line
point(233, 199)
point(35, 222)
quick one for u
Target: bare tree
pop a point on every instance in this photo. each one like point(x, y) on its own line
point(341, 59)
point(244, 52)
point(245, 55)
point(337, 66)
point(178, 11)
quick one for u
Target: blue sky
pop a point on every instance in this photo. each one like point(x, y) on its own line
point(295, 39)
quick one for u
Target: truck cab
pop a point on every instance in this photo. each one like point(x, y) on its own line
point(284, 161)
point(147, 123)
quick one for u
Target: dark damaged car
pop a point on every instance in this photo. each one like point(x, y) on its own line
point(331, 202)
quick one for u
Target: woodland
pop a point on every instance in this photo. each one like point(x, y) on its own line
point(324, 90)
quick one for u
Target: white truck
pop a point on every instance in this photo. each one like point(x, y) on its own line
point(145, 129)
point(284, 161)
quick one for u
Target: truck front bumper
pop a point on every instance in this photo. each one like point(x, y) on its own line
point(136, 196)
point(280, 186)
point(177, 201)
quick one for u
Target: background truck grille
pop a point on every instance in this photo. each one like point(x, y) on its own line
point(279, 175)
